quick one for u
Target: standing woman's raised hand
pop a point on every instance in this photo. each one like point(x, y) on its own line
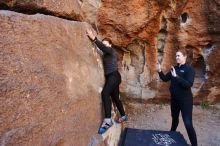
point(173, 71)
point(158, 67)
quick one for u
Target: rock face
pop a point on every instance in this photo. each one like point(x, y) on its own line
point(200, 33)
point(51, 75)
point(89, 9)
point(50, 84)
point(147, 31)
point(69, 9)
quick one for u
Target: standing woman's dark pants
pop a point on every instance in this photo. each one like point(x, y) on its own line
point(111, 89)
point(186, 107)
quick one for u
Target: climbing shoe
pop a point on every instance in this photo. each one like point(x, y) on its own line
point(122, 119)
point(105, 126)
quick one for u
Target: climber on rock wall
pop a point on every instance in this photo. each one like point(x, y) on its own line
point(112, 82)
point(182, 78)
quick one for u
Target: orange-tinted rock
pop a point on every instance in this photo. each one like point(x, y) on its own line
point(124, 21)
point(89, 9)
point(147, 31)
point(140, 29)
point(70, 9)
point(50, 81)
point(200, 33)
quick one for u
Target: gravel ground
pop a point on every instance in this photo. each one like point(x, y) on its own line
point(158, 117)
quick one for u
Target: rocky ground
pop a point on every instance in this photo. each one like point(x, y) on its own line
point(206, 121)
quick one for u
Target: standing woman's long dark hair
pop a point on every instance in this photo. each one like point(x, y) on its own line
point(182, 77)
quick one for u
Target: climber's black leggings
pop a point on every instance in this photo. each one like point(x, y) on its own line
point(111, 89)
point(186, 107)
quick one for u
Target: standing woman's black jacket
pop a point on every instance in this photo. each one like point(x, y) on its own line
point(180, 87)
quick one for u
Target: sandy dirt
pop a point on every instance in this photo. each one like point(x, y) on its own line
point(158, 117)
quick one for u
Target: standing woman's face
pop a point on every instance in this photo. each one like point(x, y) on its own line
point(180, 58)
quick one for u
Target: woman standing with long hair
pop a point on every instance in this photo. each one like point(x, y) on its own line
point(182, 78)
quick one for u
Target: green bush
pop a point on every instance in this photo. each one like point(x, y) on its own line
point(205, 105)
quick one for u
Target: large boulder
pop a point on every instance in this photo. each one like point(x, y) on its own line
point(50, 81)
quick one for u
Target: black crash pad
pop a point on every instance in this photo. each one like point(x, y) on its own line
point(141, 137)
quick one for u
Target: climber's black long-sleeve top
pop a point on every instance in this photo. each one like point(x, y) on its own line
point(180, 87)
point(109, 57)
point(112, 79)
